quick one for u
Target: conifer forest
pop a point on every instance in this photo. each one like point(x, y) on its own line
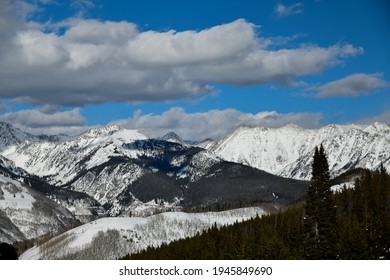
point(353, 223)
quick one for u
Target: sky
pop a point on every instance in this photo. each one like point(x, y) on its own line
point(198, 68)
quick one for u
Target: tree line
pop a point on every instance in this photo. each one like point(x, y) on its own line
point(350, 224)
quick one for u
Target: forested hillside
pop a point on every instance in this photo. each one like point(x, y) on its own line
point(360, 229)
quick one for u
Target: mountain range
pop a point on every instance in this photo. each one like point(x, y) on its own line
point(288, 151)
point(110, 171)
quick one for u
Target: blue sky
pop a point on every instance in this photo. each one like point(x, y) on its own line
point(200, 68)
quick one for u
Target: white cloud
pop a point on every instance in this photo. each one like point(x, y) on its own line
point(104, 61)
point(284, 11)
point(265, 66)
point(82, 7)
point(384, 117)
point(100, 33)
point(212, 124)
point(351, 86)
point(44, 119)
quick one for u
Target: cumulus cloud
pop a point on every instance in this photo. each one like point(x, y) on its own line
point(285, 11)
point(104, 61)
point(46, 118)
point(213, 124)
point(351, 86)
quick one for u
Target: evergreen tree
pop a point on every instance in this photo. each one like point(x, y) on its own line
point(320, 212)
point(8, 252)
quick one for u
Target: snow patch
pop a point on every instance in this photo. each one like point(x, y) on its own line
point(13, 195)
point(340, 187)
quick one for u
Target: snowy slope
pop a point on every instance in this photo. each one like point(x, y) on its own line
point(10, 135)
point(60, 162)
point(27, 214)
point(288, 151)
point(119, 236)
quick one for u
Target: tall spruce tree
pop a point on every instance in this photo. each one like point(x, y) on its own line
point(320, 211)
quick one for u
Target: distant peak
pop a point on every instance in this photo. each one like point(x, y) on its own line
point(172, 136)
point(113, 127)
point(107, 129)
point(380, 125)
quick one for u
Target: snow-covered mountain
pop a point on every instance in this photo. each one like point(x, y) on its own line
point(11, 136)
point(60, 162)
point(26, 214)
point(114, 171)
point(29, 207)
point(173, 137)
point(121, 168)
point(288, 151)
point(124, 171)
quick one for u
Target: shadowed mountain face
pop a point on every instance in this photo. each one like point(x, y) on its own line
point(183, 176)
point(198, 178)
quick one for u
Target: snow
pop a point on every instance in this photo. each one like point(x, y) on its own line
point(144, 232)
point(285, 151)
point(13, 196)
point(288, 151)
point(340, 187)
point(60, 162)
point(29, 214)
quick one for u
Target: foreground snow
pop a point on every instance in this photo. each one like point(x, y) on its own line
point(111, 238)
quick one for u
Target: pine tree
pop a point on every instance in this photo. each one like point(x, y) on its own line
point(320, 211)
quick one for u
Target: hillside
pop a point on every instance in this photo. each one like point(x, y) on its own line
point(111, 238)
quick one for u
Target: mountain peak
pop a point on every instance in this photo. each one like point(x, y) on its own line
point(172, 137)
point(378, 128)
point(106, 129)
point(10, 135)
point(111, 132)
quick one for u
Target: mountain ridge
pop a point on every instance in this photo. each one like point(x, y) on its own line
point(120, 172)
point(287, 151)
point(118, 167)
